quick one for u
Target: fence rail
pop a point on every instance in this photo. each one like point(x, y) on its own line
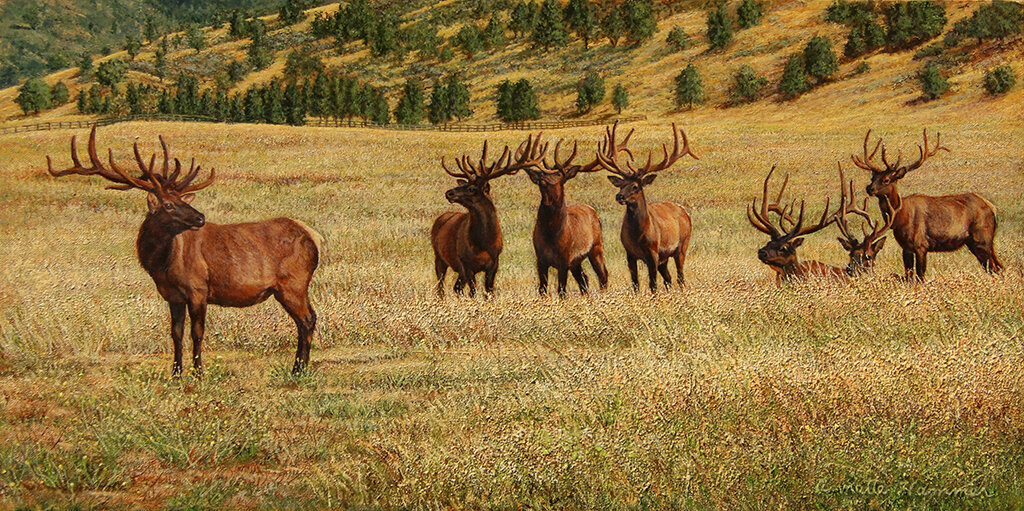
point(329, 123)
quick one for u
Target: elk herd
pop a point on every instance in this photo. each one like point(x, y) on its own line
point(194, 263)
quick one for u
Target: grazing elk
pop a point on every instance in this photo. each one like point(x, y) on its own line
point(862, 253)
point(563, 236)
point(471, 242)
point(653, 232)
point(780, 252)
point(195, 264)
point(922, 223)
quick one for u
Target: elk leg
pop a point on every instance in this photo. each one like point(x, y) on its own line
point(908, 264)
point(663, 269)
point(652, 271)
point(563, 280)
point(631, 262)
point(440, 270)
point(297, 305)
point(460, 283)
point(680, 258)
point(921, 262)
point(597, 262)
point(177, 335)
point(197, 311)
point(471, 282)
point(986, 255)
point(542, 277)
point(581, 278)
point(489, 277)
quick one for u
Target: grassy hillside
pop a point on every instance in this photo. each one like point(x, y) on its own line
point(646, 71)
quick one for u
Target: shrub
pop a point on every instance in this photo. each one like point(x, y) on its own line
point(290, 12)
point(747, 85)
point(678, 39)
point(855, 45)
point(59, 94)
point(998, 80)
point(589, 92)
point(33, 96)
point(612, 26)
point(998, 19)
point(861, 68)
point(933, 83)
point(819, 59)
point(523, 18)
point(688, 87)
point(719, 27)
point(794, 79)
point(470, 39)
point(931, 50)
point(749, 13)
point(196, 38)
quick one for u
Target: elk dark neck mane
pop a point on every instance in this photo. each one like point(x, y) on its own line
point(155, 244)
point(552, 214)
point(636, 212)
point(890, 202)
point(485, 230)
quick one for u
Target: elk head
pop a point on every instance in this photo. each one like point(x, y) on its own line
point(862, 252)
point(169, 193)
point(551, 177)
point(473, 179)
point(780, 251)
point(885, 176)
point(632, 181)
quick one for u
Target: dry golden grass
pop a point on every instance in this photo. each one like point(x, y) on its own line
point(730, 394)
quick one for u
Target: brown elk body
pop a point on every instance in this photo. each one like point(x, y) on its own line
point(195, 264)
point(564, 236)
point(471, 242)
point(923, 223)
point(780, 253)
point(651, 232)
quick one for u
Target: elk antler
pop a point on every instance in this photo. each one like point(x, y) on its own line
point(529, 153)
point(878, 228)
point(610, 164)
point(762, 222)
point(565, 167)
point(866, 162)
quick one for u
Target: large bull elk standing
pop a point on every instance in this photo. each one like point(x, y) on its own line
point(923, 223)
point(780, 251)
point(195, 264)
point(563, 236)
point(471, 242)
point(651, 232)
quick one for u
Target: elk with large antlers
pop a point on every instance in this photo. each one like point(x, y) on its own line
point(862, 252)
point(471, 242)
point(651, 232)
point(780, 252)
point(922, 223)
point(195, 263)
point(563, 236)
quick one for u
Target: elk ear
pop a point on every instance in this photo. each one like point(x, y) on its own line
point(896, 176)
point(878, 244)
point(648, 179)
point(153, 202)
point(460, 182)
point(616, 181)
point(796, 243)
point(847, 246)
point(187, 198)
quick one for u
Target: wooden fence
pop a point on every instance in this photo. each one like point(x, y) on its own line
point(329, 123)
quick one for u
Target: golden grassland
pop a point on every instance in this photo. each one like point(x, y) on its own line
point(732, 393)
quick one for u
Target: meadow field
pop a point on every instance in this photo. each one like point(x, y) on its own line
point(732, 393)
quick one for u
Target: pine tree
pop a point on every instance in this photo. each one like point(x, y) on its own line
point(719, 27)
point(470, 39)
point(678, 39)
point(933, 83)
point(494, 34)
point(589, 92)
point(819, 59)
point(379, 108)
point(293, 105)
point(290, 12)
point(59, 94)
point(33, 96)
point(150, 31)
point(254, 108)
point(83, 102)
point(855, 45)
point(749, 13)
point(85, 65)
point(612, 26)
point(638, 19)
point(132, 46)
point(747, 84)
point(620, 98)
point(438, 111)
point(581, 15)
point(550, 28)
point(525, 99)
point(196, 38)
point(384, 37)
point(911, 23)
point(523, 18)
point(237, 25)
point(794, 79)
point(689, 88)
point(95, 100)
point(320, 96)
point(110, 72)
point(874, 35)
point(409, 109)
point(458, 97)
point(273, 103)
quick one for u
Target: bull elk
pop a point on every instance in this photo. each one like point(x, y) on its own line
point(780, 251)
point(922, 223)
point(471, 242)
point(651, 232)
point(862, 252)
point(195, 263)
point(563, 236)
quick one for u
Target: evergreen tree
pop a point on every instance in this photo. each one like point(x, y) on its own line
point(620, 98)
point(237, 25)
point(33, 96)
point(517, 101)
point(258, 54)
point(186, 95)
point(911, 23)
point(83, 101)
point(95, 100)
point(149, 30)
point(589, 92)
point(689, 87)
point(581, 15)
point(933, 83)
point(794, 79)
point(384, 38)
point(293, 105)
point(458, 97)
point(855, 45)
point(747, 84)
point(438, 111)
point(998, 19)
point(379, 108)
point(196, 38)
point(612, 26)
point(494, 35)
point(300, 64)
point(719, 27)
point(678, 39)
point(110, 72)
point(59, 94)
point(291, 11)
point(254, 107)
point(85, 65)
point(550, 28)
point(523, 18)
point(874, 35)
point(819, 59)
point(319, 97)
point(132, 46)
point(997, 81)
point(638, 19)
point(409, 109)
point(470, 39)
point(749, 13)
point(273, 103)
point(160, 61)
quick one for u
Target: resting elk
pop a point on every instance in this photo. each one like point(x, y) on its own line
point(923, 223)
point(563, 236)
point(651, 232)
point(195, 263)
point(471, 242)
point(780, 252)
point(862, 252)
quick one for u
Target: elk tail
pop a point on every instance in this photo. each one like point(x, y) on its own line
point(317, 238)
